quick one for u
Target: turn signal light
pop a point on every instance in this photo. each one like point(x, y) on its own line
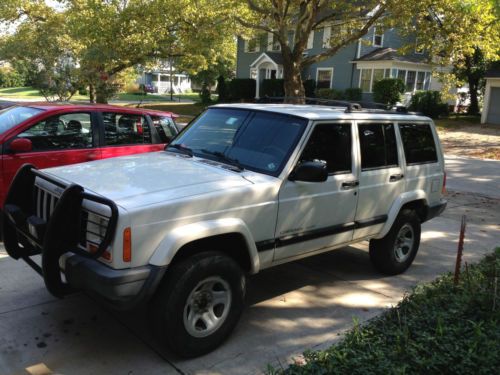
point(127, 245)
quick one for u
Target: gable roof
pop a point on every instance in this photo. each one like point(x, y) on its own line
point(275, 57)
point(390, 54)
point(494, 71)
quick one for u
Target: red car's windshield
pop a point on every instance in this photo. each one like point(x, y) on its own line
point(13, 116)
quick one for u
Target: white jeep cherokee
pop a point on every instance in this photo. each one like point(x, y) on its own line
point(244, 187)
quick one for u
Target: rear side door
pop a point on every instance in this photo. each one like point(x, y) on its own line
point(319, 215)
point(381, 177)
point(126, 134)
point(57, 140)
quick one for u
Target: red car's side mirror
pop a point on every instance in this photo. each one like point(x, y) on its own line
point(21, 145)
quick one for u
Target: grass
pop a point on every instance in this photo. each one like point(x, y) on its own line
point(32, 93)
point(457, 121)
point(438, 328)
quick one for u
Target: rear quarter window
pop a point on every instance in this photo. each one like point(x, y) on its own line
point(418, 143)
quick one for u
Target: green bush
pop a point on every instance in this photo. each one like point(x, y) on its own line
point(388, 90)
point(83, 91)
point(242, 89)
point(429, 103)
point(272, 88)
point(440, 328)
point(330, 94)
point(222, 90)
point(205, 96)
point(354, 94)
point(10, 78)
point(309, 88)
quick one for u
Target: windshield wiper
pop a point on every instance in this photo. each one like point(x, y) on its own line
point(183, 149)
point(224, 158)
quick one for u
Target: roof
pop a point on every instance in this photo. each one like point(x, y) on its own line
point(390, 54)
point(54, 106)
point(320, 112)
point(492, 73)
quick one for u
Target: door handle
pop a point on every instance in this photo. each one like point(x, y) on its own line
point(346, 185)
point(396, 177)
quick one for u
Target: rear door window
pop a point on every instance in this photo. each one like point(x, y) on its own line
point(165, 127)
point(67, 131)
point(378, 146)
point(418, 143)
point(125, 129)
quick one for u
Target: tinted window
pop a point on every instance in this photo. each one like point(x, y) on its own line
point(260, 141)
point(165, 127)
point(330, 143)
point(418, 143)
point(378, 145)
point(13, 116)
point(125, 129)
point(69, 131)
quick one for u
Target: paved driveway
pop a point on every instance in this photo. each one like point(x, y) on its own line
point(305, 304)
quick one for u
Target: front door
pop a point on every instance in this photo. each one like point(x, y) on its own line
point(314, 216)
point(381, 179)
point(57, 140)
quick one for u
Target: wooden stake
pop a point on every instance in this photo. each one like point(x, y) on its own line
point(460, 251)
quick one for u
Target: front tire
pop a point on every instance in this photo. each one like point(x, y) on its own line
point(199, 303)
point(395, 252)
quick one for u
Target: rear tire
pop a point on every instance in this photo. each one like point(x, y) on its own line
point(395, 252)
point(199, 303)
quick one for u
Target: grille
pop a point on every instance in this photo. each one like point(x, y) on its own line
point(93, 225)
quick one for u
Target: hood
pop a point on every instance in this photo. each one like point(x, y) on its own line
point(138, 180)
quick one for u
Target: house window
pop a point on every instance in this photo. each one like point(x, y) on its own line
point(252, 45)
point(310, 40)
point(324, 78)
point(378, 38)
point(327, 34)
point(253, 73)
point(365, 80)
point(420, 80)
point(410, 80)
point(419, 49)
point(402, 75)
point(378, 74)
point(273, 43)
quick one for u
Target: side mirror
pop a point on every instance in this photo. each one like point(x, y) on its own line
point(309, 171)
point(20, 145)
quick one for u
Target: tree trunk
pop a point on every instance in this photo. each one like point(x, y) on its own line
point(294, 89)
point(474, 102)
point(101, 96)
point(92, 93)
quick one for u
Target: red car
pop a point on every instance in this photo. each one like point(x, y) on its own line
point(49, 135)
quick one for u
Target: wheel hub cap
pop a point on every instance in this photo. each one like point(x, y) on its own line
point(207, 307)
point(404, 243)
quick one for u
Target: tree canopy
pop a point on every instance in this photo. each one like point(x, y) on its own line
point(102, 38)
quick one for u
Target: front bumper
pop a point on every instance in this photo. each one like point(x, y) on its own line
point(122, 289)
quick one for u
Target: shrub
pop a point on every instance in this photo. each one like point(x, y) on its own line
point(83, 91)
point(354, 94)
point(429, 103)
point(309, 88)
point(10, 78)
point(242, 89)
point(388, 90)
point(222, 89)
point(330, 94)
point(205, 95)
point(273, 87)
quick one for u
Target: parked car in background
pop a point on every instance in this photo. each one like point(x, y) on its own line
point(49, 135)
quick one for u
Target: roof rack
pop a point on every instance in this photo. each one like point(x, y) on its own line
point(350, 106)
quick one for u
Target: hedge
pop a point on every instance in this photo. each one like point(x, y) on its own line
point(242, 89)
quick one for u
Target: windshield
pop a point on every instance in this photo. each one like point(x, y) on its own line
point(255, 140)
point(13, 116)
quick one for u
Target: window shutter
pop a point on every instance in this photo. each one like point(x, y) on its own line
point(327, 33)
point(310, 40)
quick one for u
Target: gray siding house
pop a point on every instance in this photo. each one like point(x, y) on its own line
point(359, 64)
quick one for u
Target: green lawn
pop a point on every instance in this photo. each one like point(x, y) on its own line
point(32, 93)
point(456, 121)
point(439, 328)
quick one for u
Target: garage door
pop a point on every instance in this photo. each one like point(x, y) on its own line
point(494, 107)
